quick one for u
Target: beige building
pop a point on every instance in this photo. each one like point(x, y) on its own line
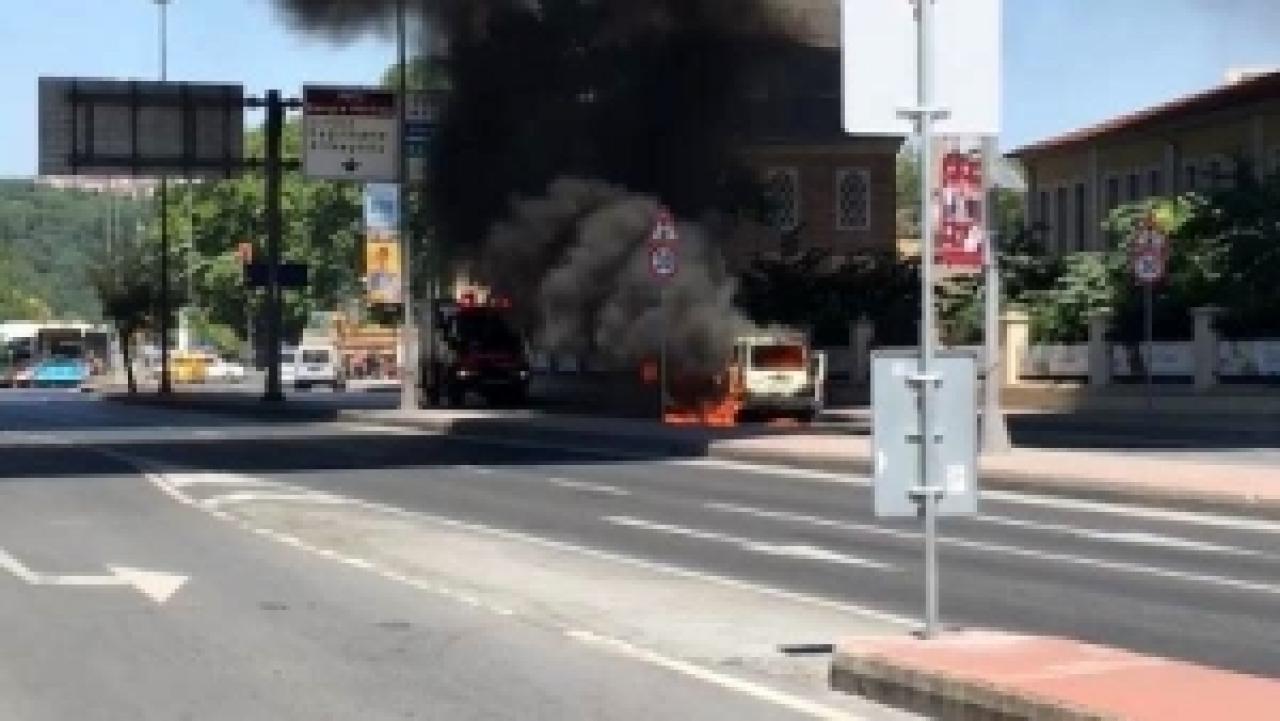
point(1194, 143)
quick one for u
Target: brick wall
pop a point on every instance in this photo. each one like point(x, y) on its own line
point(817, 168)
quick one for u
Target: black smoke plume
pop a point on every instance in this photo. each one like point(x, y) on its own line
point(568, 122)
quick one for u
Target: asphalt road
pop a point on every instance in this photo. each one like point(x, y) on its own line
point(120, 604)
point(1232, 440)
point(1171, 584)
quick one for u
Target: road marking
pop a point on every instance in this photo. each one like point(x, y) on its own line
point(183, 480)
point(798, 551)
point(155, 585)
point(1118, 566)
point(617, 646)
point(1137, 538)
point(251, 496)
point(715, 678)
point(478, 470)
point(850, 478)
point(588, 487)
point(1234, 523)
point(158, 478)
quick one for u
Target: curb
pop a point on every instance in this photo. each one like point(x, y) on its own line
point(944, 697)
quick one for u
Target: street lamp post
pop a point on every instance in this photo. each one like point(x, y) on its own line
point(410, 392)
point(166, 386)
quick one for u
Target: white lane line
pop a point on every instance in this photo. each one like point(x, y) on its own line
point(251, 496)
point(798, 551)
point(807, 474)
point(478, 470)
point(715, 678)
point(1234, 523)
point(588, 487)
point(183, 480)
point(1136, 538)
point(1081, 505)
point(1118, 566)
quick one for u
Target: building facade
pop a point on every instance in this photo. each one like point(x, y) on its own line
point(1195, 143)
point(828, 192)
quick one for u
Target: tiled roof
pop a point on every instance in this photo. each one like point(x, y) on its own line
point(1264, 86)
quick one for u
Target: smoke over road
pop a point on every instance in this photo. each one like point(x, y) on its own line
point(579, 256)
point(569, 121)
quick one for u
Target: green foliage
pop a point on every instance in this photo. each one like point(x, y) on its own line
point(1224, 251)
point(425, 73)
point(320, 227)
point(48, 238)
point(129, 299)
point(813, 292)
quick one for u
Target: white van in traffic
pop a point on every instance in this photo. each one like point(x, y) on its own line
point(310, 365)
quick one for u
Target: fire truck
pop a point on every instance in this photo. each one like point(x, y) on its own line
point(476, 350)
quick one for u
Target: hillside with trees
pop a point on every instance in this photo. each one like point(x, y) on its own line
point(49, 238)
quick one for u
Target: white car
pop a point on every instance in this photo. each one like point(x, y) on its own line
point(315, 365)
point(225, 371)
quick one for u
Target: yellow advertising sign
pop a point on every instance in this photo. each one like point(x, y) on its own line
point(382, 269)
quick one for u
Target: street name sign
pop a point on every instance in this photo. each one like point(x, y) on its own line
point(350, 134)
point(880, 66)
point(140, 128)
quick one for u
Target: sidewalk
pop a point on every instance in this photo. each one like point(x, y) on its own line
point(993, 676)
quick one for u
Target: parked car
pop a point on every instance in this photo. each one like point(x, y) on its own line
point(222, 370)
point(59, 373)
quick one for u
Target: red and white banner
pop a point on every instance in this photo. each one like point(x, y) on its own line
point(960, 203)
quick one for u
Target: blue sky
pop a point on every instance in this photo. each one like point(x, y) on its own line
point(1067, 62)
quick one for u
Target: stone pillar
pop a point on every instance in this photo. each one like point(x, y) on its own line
point(861, 336)
point(1205, 346)
point(1099, 348)
point(1015, 330)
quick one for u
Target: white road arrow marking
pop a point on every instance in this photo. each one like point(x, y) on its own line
point(155, 585)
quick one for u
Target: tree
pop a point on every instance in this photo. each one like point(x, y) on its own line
point(129, 299)
point(321, 228)
point(813, 292)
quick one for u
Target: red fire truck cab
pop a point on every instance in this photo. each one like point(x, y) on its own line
point(477, 350)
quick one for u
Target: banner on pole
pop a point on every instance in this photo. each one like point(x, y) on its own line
point(382, 260)
point(959, 203)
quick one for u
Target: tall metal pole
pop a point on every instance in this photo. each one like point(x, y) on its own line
point(410, 393)
point(272, 169)
point(995, 434)
point(927, 492)
point(662, 353)
point(1148, 324)
point(166, 384)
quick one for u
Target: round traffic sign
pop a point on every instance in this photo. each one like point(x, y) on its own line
point(664, 263)
point(1148, 267)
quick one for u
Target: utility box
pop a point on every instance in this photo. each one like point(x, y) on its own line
point(896, 437)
